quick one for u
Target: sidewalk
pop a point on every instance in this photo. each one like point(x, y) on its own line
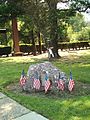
point(11, 110)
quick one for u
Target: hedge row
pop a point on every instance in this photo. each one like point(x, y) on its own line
point(23, 48)
point(28, 49)
point(5, 51)
point(79, 45)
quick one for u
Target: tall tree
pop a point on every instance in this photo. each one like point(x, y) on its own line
point(11, 9)
point(27, 30)
point(15, 36)
point(53, 25)
point(37, 22)
point(73, 5)
point(36, 10)
point(15, 10)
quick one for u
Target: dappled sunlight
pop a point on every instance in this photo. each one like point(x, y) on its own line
point(77, 108)
point(80, 105)
point(84, 65)
point(65, 103)
point(80, 108)
point(76, 103)
point(84, 52)
point(73, 109)
point(87, 103)
point(75, 52)
point(10, 109)
point(6, 107)
point(18, 59)
point(24, 59)
point(75, 118)
point(41, 56)
point(6, 111)
point(74, 55)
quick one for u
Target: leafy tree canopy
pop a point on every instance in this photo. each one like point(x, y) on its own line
point(10, 9)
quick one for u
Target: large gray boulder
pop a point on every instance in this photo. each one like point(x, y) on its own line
point(41, 68)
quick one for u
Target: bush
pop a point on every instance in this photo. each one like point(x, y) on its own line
point(5, 51)
point(26, 48)
point(74, 45)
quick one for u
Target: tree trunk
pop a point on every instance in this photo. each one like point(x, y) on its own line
point(33, 43)
point(15, 36)
point(53, 26)
point(39, 41)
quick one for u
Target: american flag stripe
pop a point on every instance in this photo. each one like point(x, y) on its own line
point(36, 84)
point(22, 80)
point(71, 85)
point(60, 85)
point(47, 85)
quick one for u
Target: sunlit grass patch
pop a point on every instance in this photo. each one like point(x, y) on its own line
point(17, 59)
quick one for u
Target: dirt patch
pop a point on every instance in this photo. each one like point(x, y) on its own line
point(81, 89)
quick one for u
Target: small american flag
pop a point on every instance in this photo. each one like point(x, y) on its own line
point(47, 83)
point(71, 83)
point(23, 79)
point(36, 82)
point(60, 83)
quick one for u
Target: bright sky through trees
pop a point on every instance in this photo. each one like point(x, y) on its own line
point(86, 16)
point(65, 6)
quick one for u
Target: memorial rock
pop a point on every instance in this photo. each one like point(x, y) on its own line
point(53, 73)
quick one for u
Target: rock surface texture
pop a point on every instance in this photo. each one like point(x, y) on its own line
point(54, 74)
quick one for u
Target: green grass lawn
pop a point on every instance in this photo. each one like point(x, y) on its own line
point(54, 108)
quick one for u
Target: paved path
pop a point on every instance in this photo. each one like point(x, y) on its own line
point(11, 110)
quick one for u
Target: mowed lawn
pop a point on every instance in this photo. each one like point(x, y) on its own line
point(65, 107)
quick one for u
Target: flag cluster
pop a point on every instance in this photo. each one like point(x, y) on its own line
point(48, 83)
point(61, 84)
